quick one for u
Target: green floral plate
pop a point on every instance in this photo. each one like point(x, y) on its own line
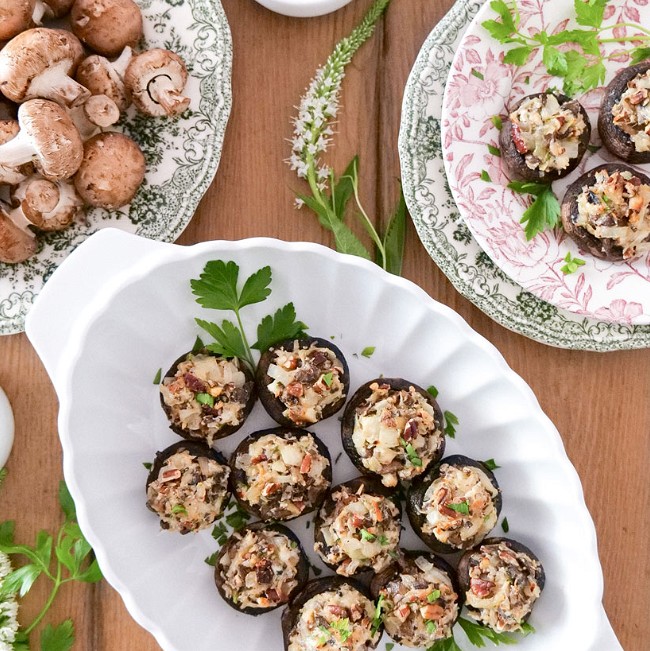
point(445, 235)
point(182, 154)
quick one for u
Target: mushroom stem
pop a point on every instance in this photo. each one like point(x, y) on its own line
point(101, 111)
point(162, 91)
point(54, 83)
point(39, 12)
point(17, 151)
point(122, 62)
point(17, 242)
point(47, 205)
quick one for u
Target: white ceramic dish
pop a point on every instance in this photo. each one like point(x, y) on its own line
point(303, 8)
point(443, 232)
point(6, 428)
point(481, 86)
point(182, 153)
point(102, 341)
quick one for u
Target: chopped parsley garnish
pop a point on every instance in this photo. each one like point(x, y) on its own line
point(431, 627)
point(497, 122)
point(198, 345)
point(478, 74)
point(383, 541)
point(505, 526)
point(571, 264)
point(238, 518)
point(220, 533)
point(378, 618)
point(342, 627)
point(446, 644)
point(460, 507)
point(432, 391)
point(527, 628)
point(205, 399)
point(491, 464)
point(389, 646)
point(451, 420)
point(411, 454)
point(366, 535)
point(368, 351)
point(158, 376)
point(148, 465)
point(179, 509)
point(495, 151)
point(433, 596)
point(212, 559)
point(475, 634)
point(485, 176)
point(328, 378)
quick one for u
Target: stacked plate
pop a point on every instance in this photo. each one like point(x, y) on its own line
point(458, 82)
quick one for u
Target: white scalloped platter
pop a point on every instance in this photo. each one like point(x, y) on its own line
point(182, 153)
point(481, 86)
point(111, 422)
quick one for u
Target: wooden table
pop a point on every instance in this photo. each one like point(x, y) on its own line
point(599, 402)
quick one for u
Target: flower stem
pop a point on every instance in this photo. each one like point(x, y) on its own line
point(48, 603)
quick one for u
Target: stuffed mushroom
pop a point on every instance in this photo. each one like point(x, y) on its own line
point(393, 429)
point(260, 568)
point(206, 396)
point(358, 527)
point(544, 137)
point(331, 614)
point(187, 486)
point(607, 212)
point(419, 598)
point(302, 381)
point(501, 580)
point(281, 473)
point(624, 118)
point(455, 505)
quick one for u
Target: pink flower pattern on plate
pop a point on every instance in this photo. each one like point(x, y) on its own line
point(481, 86)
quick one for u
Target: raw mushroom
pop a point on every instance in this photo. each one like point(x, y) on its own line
point(36, 63)
point(53, 8)
point(156, 79)
point(15, 17)
point(11, 175)
point(107, 26)
point(111, 172)
point(103, 77)
point(97, 111)
point(50, 206)
point(17, 242)
point(48, 137)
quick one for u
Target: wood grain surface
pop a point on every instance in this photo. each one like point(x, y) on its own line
point(599, 402)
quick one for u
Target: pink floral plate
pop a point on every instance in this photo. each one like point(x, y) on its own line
point(481, 86)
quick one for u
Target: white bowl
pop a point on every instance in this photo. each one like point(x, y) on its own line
point(125, 309)
point(6, 428)
point(303, 8)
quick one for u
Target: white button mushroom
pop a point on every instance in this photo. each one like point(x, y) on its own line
point(107, 26)
point(47, 137)
point(15, 17)
point(37, 62)
point(103, 77)
point(11, 175)
point(54, 8)
point(156, 80)
point(96, 113)
point(17, 242)
point(49, 205)
point(111, 172)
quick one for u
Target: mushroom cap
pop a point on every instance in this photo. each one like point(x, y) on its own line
point(16, 244)
point(31, 53)
point(55, 138)
point(9, 129)
point(107, 26)
point(49, 206)
point(141, 77)
point(15, 17)
point(57, 8)
point(96, 74)
point(111, 172)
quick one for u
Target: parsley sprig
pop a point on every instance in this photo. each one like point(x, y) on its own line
point(543, 212)
point(582, 66)
point(61, 559)
point(478, 634)
point(218, 288)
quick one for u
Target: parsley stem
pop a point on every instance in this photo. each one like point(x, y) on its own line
point(249, 360)
point(632, 25)
point(48, 603)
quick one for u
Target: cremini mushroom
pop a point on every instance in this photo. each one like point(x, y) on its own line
point(103, 77)
point(54, 8)
point(8, 174)
point(17, 242)
point(37, 62)
point(96, 113)
point(111, 171)
point(15, 17)
point(47, 137)
point(49, 205)
point(156, 80)
point(107, 26)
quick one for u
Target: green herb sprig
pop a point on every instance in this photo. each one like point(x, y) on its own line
point(331, 194)
point(543, 212)
point(571, 264)
point(60, 559)
point(583, 66)
point(478, 634)
point(217, 288)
